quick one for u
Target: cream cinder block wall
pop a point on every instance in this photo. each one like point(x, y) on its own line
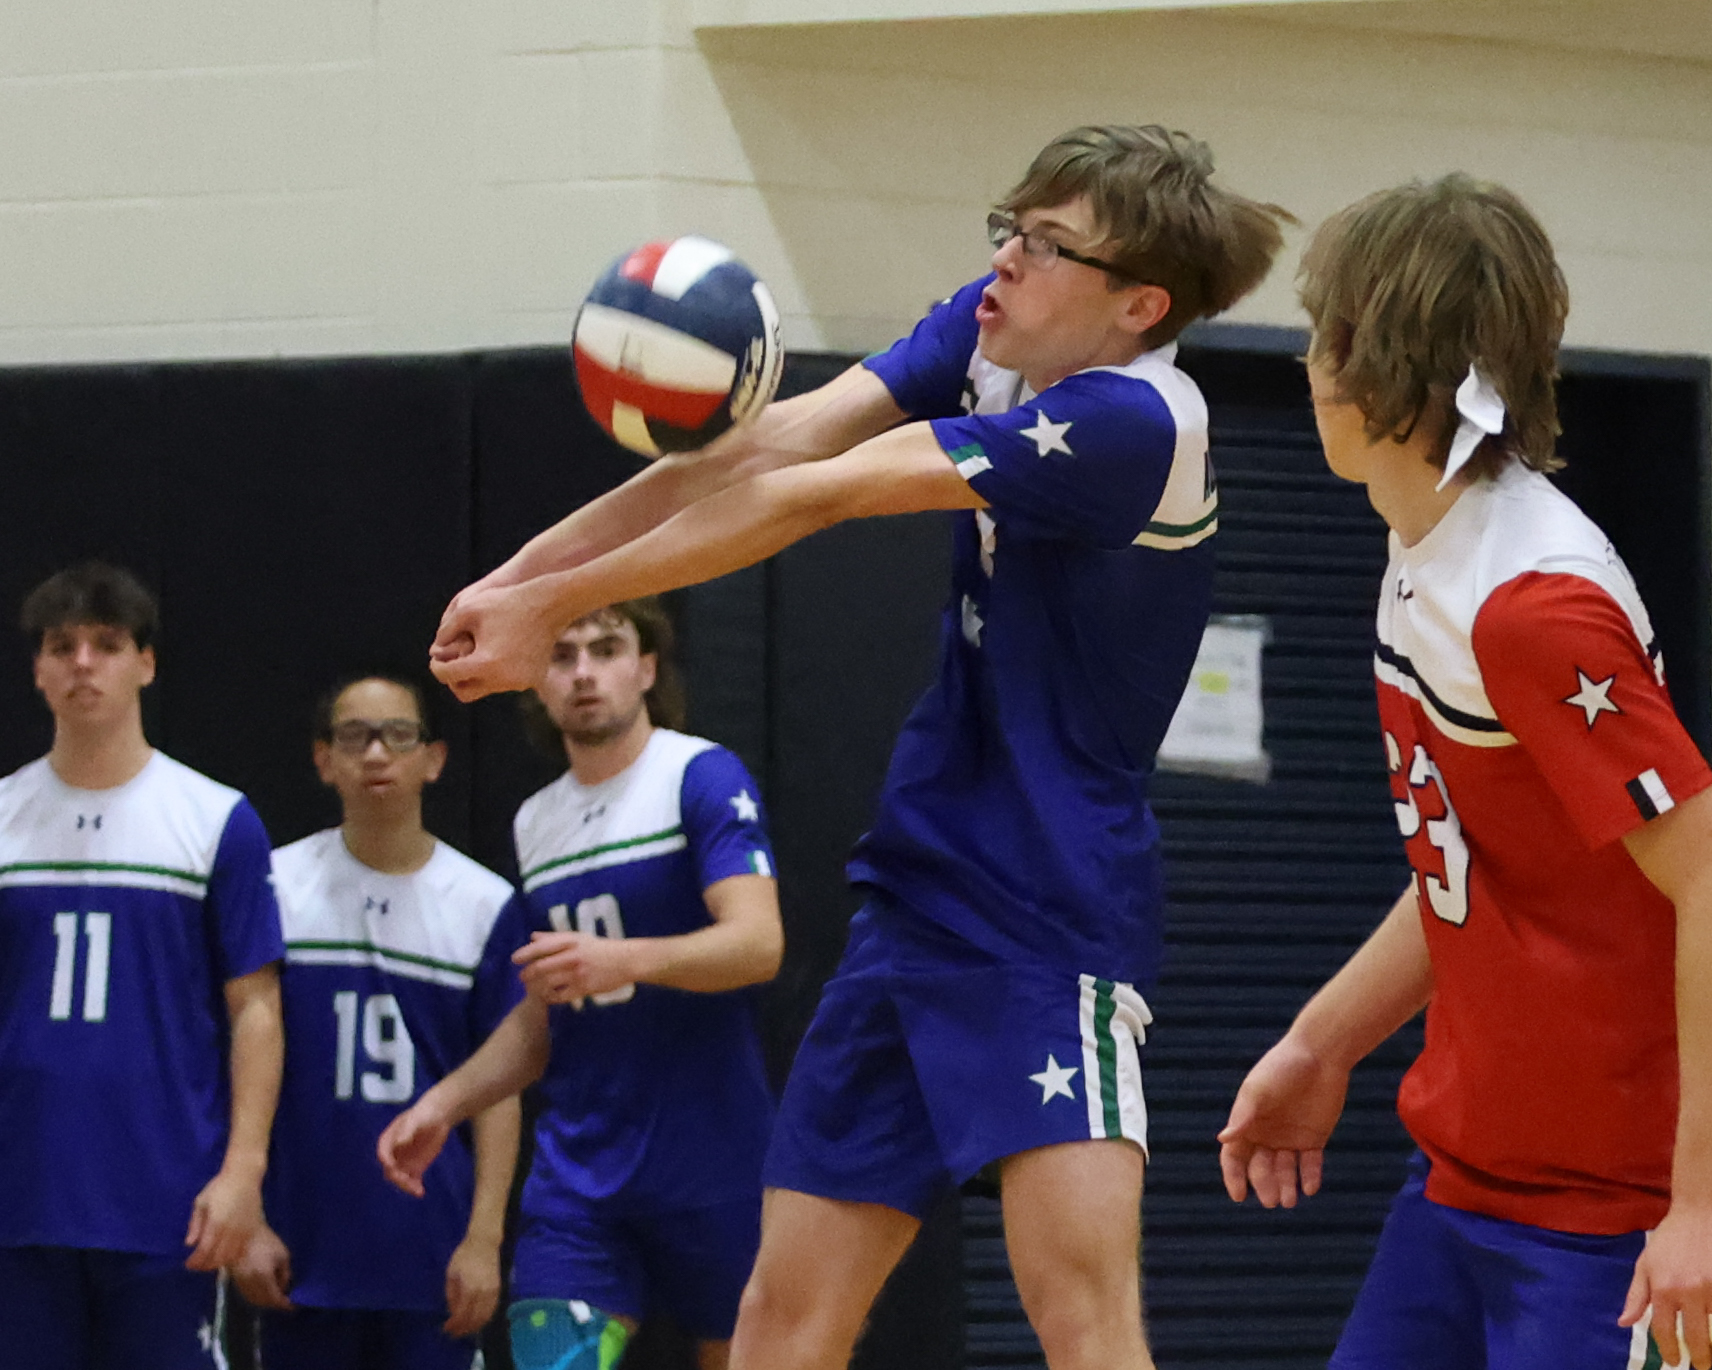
point(887, 141)
point(241, 178)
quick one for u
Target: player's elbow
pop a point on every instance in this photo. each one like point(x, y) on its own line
point(763, 951)
point(769, 951)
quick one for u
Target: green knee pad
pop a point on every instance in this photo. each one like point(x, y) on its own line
point(561, 1334)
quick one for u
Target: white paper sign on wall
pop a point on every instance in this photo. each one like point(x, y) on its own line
point(1217, 729)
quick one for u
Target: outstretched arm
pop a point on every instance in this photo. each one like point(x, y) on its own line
point(510, 630)
point(849, 409)
point(1674, 1273)
point(511, 1060)
point(742, 946)
point(1287, 1107)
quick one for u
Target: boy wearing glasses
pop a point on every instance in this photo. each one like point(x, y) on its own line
point(140, 1034)
point(385, 992)
point(989, 1006)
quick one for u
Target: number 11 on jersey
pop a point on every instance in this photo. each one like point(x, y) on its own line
point(98, 937)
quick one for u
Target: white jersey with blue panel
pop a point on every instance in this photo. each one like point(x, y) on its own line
point(123, 913)
point(656, 1098)
point(1015, 809)
point(386, 990)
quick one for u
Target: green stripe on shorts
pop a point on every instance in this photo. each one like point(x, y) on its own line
point(1105, 1005)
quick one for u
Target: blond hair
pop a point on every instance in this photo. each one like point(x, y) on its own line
point(1411, 286)
point(1152, 198)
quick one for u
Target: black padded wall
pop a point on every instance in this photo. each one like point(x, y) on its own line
point(297, 520)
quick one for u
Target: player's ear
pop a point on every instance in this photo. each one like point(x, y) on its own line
point(321, 752)
point(436, 761)
point(147, 656)
point(650, 669)
point(1144, 307)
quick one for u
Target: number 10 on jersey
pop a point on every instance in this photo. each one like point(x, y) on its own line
point(596, 917)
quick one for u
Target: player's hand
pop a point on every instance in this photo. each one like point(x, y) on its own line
point(263, 1272)
point(1283, 1116)
point(494, 638)
point(1674, 1275)
point(568, 967)
point(410, 1143)
point(472, 1287)
point(224, 1217)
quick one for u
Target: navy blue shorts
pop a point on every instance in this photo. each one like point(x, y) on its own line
point(361, 1339)
point(927, 1059)
point(1451, 1290)
point(73, 1309)
point(692, 1263)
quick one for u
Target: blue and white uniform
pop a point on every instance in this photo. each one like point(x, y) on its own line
point(386, 991)
point(1013, 853)
point(123, 913)
point(646, 1182)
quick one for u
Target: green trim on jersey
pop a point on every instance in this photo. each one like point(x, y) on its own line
point(372, 949)
point(1183, 530)
point(72, 867)
point(585, 855)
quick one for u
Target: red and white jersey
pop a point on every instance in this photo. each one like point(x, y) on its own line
point(1527, 729)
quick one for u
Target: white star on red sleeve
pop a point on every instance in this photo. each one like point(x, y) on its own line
point(1593, 697)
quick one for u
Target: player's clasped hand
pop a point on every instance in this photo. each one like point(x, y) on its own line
point(1674, 1277)
point(1274, 1141)
point(568, 967)
point(492, 638)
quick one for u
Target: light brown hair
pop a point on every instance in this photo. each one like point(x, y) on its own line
point(1410, 286)
point(666, 700)
point(1171, 227)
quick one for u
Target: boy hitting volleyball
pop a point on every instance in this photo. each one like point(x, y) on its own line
point(1559, 924)
point(988, 1009)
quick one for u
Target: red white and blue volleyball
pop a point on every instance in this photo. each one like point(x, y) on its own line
point(676, 343)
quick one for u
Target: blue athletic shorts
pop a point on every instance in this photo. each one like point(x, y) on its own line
point(692, 1263)
point(63, 1308)
point(1451, 1290)
point(361, 1339)
point(927, 1059)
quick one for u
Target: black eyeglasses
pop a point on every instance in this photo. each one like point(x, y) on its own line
point(357, 735)
point(1044, 252)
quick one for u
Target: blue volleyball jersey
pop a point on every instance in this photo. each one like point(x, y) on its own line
point(656, 1099)
point(386, 991)
point(1015, 809)
point(123, 913)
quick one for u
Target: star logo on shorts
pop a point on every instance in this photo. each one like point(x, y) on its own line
point(205, 1335)
point(745, 807)
point(1593, 697)
point(1054, 1080)
point(1047, 436)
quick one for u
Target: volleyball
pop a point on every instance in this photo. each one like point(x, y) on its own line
point(676, 343)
